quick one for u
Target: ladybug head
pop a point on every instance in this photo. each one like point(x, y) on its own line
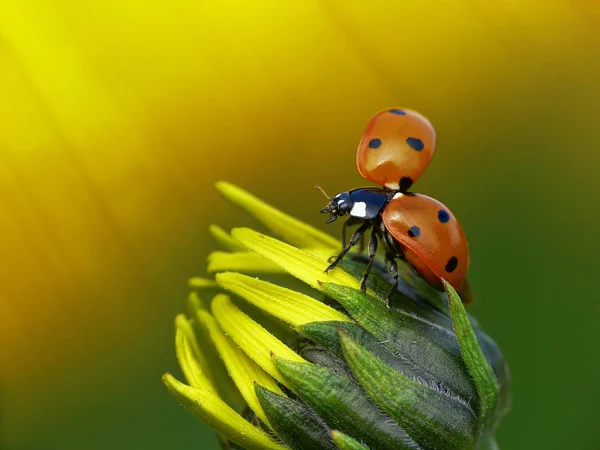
point(339, 205)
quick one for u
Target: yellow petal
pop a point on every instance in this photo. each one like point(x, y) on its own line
point(241, 262)
point(241, 368)
point(304, 266)
point(200, 283)
point(210, 409)
point(223, 238)
point(323, 253)
point(187, 354)
point(217, 371)
point(291, 229)
point(250, 262)
point(251, 337)
point(290, 306)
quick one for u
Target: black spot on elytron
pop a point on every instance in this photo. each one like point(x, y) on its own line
point(405, 183)
point(415, 144)
point(451, 264)
point(399, 112)
point(414, 231)
point(375, 143)
point(443, 216)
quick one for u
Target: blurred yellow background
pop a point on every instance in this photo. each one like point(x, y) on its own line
point(117, 117)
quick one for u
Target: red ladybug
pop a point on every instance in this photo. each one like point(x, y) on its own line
point(415, 228)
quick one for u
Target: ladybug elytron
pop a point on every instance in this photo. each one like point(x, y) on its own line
point(394, 151)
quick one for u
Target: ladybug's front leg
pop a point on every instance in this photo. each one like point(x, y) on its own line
point(358, 234)
point(348, 223)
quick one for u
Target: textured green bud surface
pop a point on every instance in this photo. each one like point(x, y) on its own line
point(342, 403)
point(296, 423)
point(433, 417)
point(345, 372)
point(422, 344)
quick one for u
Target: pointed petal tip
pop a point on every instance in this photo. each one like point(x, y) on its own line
point(222, 184)
point(200, 283)
point(165, 378)
point(211, 409)
point(179, 318)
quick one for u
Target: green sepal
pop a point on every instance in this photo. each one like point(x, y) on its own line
point(321, 356)
point(294, 422)
point(326, 334)
point(345, 442)
point(432, 349)
point(343, 405)
point(432, 417)
point(483, 376)
point(493, 355)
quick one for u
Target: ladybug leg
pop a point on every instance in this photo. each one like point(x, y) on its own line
point(372, 251)
point(358, 234)
point(361, 247)
point(348, 223)
point(392, 267)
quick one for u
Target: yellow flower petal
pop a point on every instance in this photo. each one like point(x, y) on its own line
point(290, 306)
point(200, 283)
point(250, 262)
point(223, 238)
point(217, 371)
point(241, 368)
point(251, 337)
point(304, 266)
point(209, 408)
point(187, 354)
point(291, 229)
point(241, 262)
point(323, 253)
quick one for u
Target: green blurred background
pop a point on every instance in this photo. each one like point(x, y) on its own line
point(117, 117)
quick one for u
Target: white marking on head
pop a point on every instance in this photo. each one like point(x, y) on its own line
point(398, 195)
point(359, 209)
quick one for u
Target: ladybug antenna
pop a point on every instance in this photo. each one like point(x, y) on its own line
point(319, 188)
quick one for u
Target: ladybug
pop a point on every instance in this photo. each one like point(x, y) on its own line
point(413, 227)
